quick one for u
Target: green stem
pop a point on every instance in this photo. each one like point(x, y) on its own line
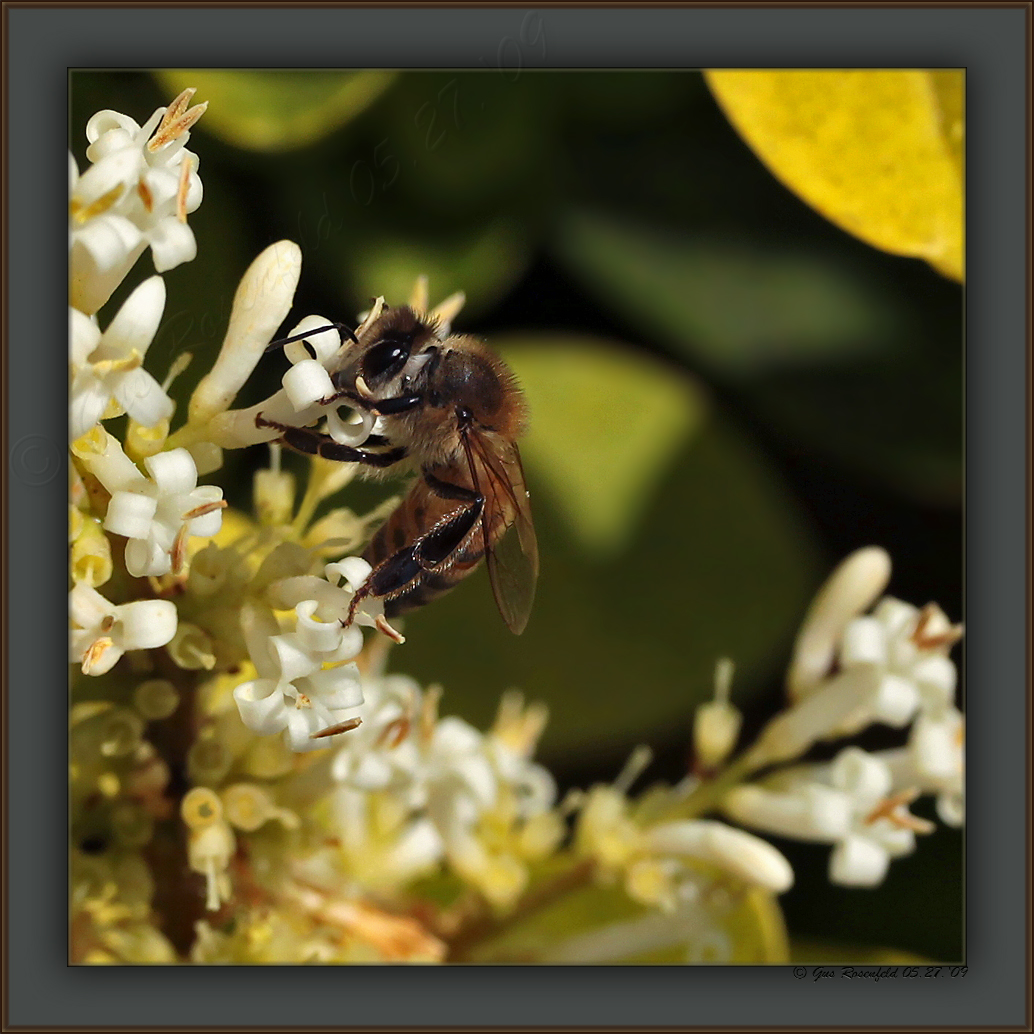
point(708, 795)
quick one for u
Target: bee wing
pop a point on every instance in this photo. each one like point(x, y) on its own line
point(513, 562)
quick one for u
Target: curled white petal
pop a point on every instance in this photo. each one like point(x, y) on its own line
point(130, 514)
point(315, 635)
point(306, 383)
point(172, 471)
point(325, 344)
point(351, 432)
point(147, 624)
point(261, 705)
point(353, 569)
point(858, 861)
point(172, 243)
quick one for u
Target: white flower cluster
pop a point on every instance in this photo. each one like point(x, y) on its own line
point(416, 790)
point(850, 670)
point(141, 184)
point(306, 685)
point(137, 192)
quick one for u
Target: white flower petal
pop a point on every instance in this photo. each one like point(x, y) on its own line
point(306, 383)
point(136, 323)
point(337, 688)
point(864, 642)
point(349, 432)
point(172, 243)
point(147, 624)
point(294, 661)
point(142, 397)
point(314, 635)
point(172, 471)
point(861, 774)
point(87, 607)
point(83, 335)
point(147, 558)
point(89, 400)
point(107, 120)
point(325, 344)
point(895, 702)
point(260, 304)
point(262, 707)
point(858, 861)
point(130, 514)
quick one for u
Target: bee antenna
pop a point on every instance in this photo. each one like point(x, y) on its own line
point(274, 345)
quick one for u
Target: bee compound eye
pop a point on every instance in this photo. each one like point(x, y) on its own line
point(385, 359)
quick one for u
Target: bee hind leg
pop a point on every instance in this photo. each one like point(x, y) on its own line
point(407, 578)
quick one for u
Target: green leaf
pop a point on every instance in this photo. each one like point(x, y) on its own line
point(601, 924)
point(606, 424)
point(828, 356)
point(738, 307)
point(879, 153)
point(277, 110)
point(483, 262)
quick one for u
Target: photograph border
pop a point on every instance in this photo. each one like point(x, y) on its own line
point(992, 42)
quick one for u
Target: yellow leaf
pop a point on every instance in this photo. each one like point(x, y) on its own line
point(879, 153)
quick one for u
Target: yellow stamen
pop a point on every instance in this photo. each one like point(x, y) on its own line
point(346, 726)
point(932, 641)
point(176, 127)
point(895, 810)
point(186, 167)
point(94, 652)
point(200, 511)
point(394, 733)
point(145, 195)
point(176, 108)
point(178, 553)
point(84, 213)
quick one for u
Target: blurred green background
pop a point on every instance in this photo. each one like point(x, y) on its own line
point(728, 393)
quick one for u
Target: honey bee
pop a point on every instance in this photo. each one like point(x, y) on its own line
point(451, 409)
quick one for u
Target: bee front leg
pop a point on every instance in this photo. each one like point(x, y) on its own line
point(313, 443)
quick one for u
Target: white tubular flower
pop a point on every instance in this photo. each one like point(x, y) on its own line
point(753, 860)
point(305, 685)
point(110, 365)
point(852, 588)
point(382, 753)
point(260, 304)
point(159, 515)
point(102, 632)
point(137, 193)
point(889, 664)
point(848, 803)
